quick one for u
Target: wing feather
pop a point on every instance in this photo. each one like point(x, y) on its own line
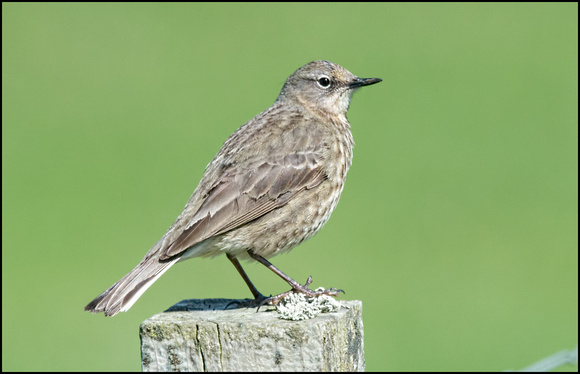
point(236, 198)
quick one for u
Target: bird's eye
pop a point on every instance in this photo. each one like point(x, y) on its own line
point(323, 82)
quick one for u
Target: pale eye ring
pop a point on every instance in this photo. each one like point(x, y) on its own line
point(323, 82)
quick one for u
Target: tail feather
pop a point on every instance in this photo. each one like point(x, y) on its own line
point(122, 295)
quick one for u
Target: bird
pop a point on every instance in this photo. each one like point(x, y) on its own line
point(273, 184)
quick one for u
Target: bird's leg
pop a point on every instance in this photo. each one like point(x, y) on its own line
point(296, 287)
point(258, 297)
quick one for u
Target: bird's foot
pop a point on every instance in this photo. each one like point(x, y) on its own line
point(258, 301)
point(299, 288)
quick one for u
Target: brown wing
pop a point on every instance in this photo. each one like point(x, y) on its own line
point(240, 196)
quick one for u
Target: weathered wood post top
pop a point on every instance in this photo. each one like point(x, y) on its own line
point(199, 335)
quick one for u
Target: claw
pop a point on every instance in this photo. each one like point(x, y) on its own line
point(232, 302)
point(274, 300)
point(249, 303)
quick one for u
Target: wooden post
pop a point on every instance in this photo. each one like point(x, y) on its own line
point(199, 335)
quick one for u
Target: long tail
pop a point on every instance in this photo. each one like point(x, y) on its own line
point(122, 295)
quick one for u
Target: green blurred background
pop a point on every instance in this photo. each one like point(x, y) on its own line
point(457, 227)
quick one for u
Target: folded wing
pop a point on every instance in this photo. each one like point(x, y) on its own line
point(241, 196)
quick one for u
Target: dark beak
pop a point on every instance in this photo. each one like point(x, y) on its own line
point(359, 82)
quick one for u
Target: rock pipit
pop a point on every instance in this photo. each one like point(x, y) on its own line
point(272, 185)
